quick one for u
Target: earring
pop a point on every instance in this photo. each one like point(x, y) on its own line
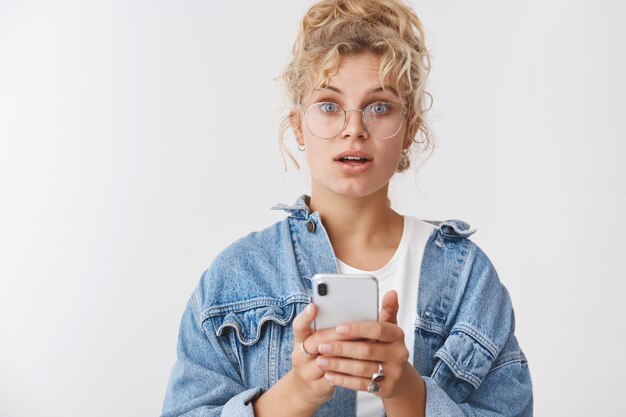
point(404, 160)
point(301, 147)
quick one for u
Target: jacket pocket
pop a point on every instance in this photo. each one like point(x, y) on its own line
point(256, 335)
point(247, 319)
point(464, 360)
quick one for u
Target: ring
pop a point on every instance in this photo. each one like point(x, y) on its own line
point(378, 376)
point(303, 350)
point(373, 387)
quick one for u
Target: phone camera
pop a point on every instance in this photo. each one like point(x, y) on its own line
point(322, 289)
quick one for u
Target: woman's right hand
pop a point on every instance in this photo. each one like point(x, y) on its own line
point(303, 389)
point(312, 387)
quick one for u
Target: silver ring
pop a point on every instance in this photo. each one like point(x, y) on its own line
point(303, 350)
point(373, 387)
point(378, 376)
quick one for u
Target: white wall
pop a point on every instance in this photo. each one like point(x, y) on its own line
point(138, 138)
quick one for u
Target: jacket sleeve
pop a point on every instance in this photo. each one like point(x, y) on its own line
point(480, 370)
point(505, 391)
point(204, 381)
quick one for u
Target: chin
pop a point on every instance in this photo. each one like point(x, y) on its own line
point(356, 190)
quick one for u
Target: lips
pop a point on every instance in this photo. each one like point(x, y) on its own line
point(357, 157)
point(353, 162)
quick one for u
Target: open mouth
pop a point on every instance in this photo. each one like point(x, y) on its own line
point(353, 159)
point(353, 162)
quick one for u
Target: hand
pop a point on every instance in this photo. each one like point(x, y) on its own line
point(307, 376)
point(303, 389)
point(349, 360)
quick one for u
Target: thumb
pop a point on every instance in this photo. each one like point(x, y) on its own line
point(389, 309)
point(302, 323)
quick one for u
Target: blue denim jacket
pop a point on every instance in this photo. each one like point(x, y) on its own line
point(235, 337)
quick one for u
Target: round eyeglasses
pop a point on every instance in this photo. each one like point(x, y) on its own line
point(382, 120)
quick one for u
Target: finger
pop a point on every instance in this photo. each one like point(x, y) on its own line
point(312, 342)
point(302, 323)
point(364, 350)
point(310, 371)
point(389, 310)
point(364, 369)
point(347, 381)
point(373, 330)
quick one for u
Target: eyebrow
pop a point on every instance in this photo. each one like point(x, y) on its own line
point(368, 92)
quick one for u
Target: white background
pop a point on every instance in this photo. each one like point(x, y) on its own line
point(138, 139)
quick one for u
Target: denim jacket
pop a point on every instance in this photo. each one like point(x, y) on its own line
point(235, 338)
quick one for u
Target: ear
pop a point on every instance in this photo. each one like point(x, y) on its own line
point(406, 144)
point(296, 126)
point(410, 135)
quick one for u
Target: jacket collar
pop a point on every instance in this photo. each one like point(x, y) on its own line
point(298, 209)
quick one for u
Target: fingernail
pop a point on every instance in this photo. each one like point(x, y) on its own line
point(324, 348)
point(309, 309)
point(342, 329)
point(329, 377)
point(323, 362)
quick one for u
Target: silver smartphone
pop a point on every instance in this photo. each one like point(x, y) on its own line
point(344, 298)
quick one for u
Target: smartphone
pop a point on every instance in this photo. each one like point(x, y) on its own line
point(344, 298)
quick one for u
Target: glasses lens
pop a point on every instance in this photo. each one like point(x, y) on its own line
point(383, 120)
point(325, 120)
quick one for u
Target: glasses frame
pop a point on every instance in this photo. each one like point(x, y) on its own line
point(345, 117)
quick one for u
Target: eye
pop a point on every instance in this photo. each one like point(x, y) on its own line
point(380, 108)
point(329, 107)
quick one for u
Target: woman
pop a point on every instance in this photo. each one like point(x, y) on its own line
point(444, 343)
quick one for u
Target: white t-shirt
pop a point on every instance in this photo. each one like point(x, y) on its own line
point(402, 274)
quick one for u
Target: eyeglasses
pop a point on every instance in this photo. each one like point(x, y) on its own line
point(382, 120)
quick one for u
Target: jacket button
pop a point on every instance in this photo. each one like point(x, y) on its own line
point(310, 226)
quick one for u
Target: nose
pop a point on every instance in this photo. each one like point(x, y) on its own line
point(354, 127)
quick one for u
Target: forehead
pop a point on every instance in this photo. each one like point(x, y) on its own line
point(363, 65)
point(355, 75)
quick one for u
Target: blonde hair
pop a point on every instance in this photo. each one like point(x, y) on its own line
point(387, 28)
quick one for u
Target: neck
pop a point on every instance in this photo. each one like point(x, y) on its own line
point(359, 221)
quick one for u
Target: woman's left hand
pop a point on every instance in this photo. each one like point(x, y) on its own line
point(363, 348)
